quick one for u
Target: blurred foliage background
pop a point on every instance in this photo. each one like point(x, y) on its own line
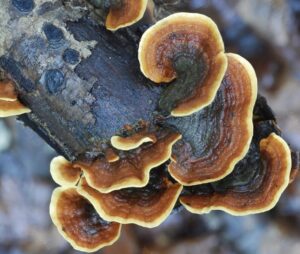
point(267, 33)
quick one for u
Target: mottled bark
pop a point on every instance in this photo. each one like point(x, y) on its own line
point(81, 81)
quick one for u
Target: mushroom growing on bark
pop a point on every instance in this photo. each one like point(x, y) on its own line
point(130, 147)
point(121, 13)
point(79, 223)
point(241, 194)
point(187, 47)
point(132, 169)
point(63, 172)
point(148, 206)
point(9, 103)
point(217, 137)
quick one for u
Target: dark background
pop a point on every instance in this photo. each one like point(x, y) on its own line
point(267, 33)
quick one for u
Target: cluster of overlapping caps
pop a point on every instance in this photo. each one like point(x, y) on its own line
point(234, 162)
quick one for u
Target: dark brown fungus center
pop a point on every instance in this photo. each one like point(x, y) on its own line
point(254, 186)
point(78, 221)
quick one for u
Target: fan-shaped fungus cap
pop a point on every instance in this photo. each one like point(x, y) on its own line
point(147, 207)
point(63, 172)
point(12, 108)
point(261, 193)
point(187, 47)
point(223, 130)
point(133, 168)
point(125, 14)
point(9, 104)
point(133, 141)
point(7, 91)
point(78, 222)
point(111, 155)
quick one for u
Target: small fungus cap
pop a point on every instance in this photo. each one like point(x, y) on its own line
point(189, 48)
point(78, 222)
point(63, 172)
point(133, 141)
point(7, 91)
point(128, 13)
point(9, 103)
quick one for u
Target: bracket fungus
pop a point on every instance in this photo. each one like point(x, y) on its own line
point(111, 155)
point(133, 149)
point(9, 103)
point(188, 48)
point(254, 187)
point(148, 206)
point(133, 141)
point(133, 167)
point(79, 223)
point(121, 13)
point(221, 133)
point(63, 172)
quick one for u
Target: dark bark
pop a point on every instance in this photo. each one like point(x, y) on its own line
point(81, 81)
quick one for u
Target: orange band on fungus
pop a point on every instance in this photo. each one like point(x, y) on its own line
point(12, 108)
point(225, 129)
point(7, 91)
point(275, 168)
point(78, 222)
point(128, 13)
point(188, 48)
point(63, 172)
point(148, 206)
point(9, 104)
point(111, 155)
point(132, 169)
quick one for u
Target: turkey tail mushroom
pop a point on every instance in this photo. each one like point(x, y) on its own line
point(9, 103)
point(78, 222)
point(63, 172)
point(132, 168)
point(187, 48)
point(256, 187)
point(148, 206)
point(220, 135)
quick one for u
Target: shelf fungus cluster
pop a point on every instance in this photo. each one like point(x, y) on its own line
point(121, 13)
point(205, 150)
point(204, 140)
point(9, 103)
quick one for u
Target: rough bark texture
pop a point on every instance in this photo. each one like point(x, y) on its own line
point(81, 81)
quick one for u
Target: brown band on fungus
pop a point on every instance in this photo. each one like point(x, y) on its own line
point(260, 194)
point(188, 49)
point(223, 132)
point(7, 91)
point(78, 222)
point(111, 155)
point(148, 206)
point(134, 140)
point(9, 103)
point(295, 166)
point(125, 14)
point(12, 108)
point(133, 168)
point(63, 172)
